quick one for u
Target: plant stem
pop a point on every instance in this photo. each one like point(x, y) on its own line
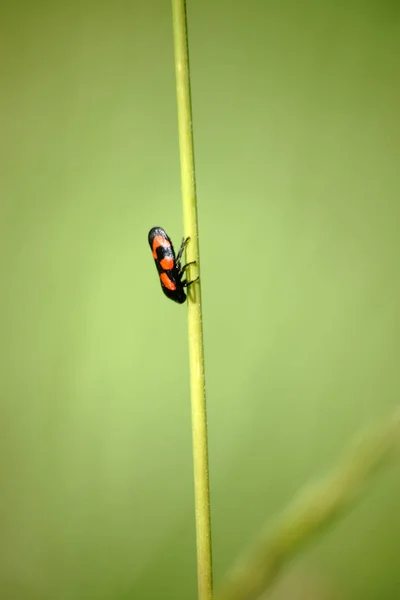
point(195, 329)
point(313, 510)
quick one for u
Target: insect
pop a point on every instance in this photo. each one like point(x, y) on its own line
point(168, 265)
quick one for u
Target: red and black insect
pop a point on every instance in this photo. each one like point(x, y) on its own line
point(168, 265)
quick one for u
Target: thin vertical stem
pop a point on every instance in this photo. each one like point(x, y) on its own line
point(195, 329)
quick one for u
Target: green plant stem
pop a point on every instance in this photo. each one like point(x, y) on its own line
point(315, 508)
point(195, 329)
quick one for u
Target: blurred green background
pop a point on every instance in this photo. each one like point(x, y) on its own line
point(296, 116)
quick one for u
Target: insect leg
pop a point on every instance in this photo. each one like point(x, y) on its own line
point(186, 266)
point(187, 283)
point(181, 249)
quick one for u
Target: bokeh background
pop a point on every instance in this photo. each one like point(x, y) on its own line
point(296, 117)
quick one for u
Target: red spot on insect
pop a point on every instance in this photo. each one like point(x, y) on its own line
point(158, 241)
point(166, 281)
point(167, 263)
